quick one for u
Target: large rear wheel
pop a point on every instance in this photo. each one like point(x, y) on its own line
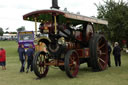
point(98, 52)
point(40, 69)
point(71, 63)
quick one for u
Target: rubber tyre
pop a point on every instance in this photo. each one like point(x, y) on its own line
point(62, 68)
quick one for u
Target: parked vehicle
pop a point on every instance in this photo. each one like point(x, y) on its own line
point(26, 38)
point(67, 40)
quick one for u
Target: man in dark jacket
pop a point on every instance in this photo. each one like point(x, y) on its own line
point(109, 53)
point(22, 57)
point(30, 54)
point(117, 54)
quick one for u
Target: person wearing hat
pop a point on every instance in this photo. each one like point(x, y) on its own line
point(117, 54)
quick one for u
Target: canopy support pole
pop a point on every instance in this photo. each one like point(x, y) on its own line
point(35, 26)
point(55, 24)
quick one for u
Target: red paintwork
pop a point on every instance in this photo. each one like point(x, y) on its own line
point(83, 53)
point(86, 50)
point(80, 52)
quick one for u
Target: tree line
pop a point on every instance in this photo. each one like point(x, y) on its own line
point(22, 28)
point(116, 13)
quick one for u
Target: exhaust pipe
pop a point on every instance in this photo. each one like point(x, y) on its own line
point(55, 4)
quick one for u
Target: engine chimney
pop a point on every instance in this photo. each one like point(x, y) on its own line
point(55, 4)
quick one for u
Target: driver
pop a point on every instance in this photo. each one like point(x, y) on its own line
point(41, 27)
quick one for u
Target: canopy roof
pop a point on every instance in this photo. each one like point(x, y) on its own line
point(46, 15)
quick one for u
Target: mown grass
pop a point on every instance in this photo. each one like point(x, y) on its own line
point(12, 76)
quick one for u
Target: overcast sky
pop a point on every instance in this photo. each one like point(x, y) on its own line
point(12, 11)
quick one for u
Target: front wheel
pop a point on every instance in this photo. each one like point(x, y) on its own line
point(71, 63)
point(40, 69)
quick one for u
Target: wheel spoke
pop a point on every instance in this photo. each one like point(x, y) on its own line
point(43, 68)
point(37, 62)
point(38, 67)
point(71, 68)
point(100, 41)
point(40, 57)
point(101, 60)
point(99, 52)
point(102, 46)
point(103, 53)
point(71, 60)
point(40, 70)
point(100, 64)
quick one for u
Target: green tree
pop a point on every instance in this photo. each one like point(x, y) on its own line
point(22, 28)
point(116, 14)
point(1, 31)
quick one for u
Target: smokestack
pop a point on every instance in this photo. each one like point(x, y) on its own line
point(55, 4)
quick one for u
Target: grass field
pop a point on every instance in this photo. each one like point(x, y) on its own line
point(12, 76)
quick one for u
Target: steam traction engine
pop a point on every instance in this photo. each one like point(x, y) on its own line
point(67, 40)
